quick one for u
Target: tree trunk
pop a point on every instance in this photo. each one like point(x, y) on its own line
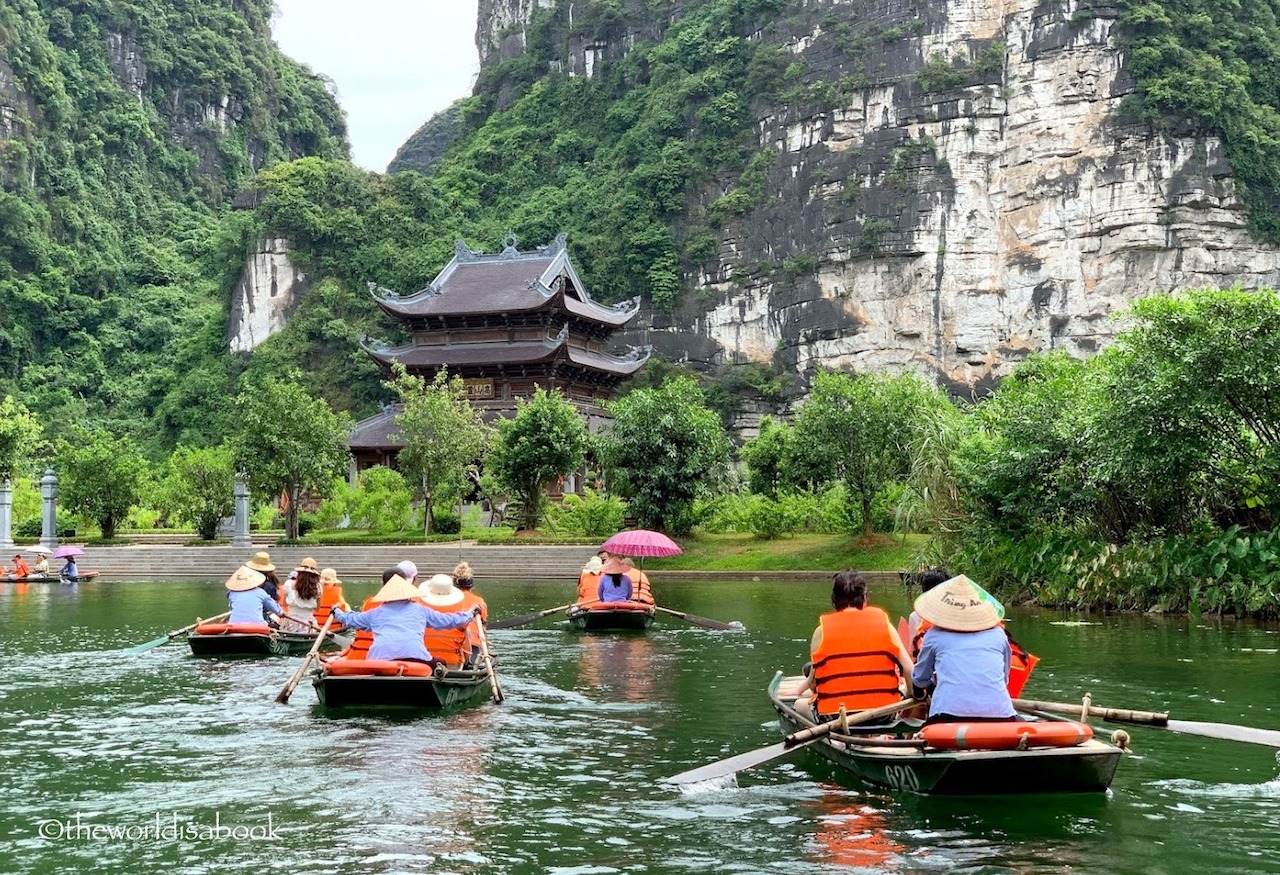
point(426, 507)
point(291, 516)
point(867, 527)
point(108, 526)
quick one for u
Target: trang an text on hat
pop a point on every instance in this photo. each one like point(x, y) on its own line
point(261, 561)
point(439, 591)
point(960, 605)
point(397, 589)
point(244, 579)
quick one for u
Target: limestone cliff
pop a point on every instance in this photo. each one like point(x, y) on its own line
point(974, 194)
point(269, 288)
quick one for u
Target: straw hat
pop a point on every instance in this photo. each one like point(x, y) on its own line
point(308, 564)
point(439, 591)
point(960, 605)
point(261, 561)
point(397, 589)
point(329, 577)
point(615, 566)
point(245, 579)
point(593, 566)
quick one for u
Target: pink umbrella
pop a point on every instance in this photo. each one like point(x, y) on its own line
point(64, 552)
point(642, 542)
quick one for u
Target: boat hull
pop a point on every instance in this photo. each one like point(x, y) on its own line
point(611, 620)
point(1083, 768)
point(242, 644)
point(452, 689)
point(49, 578)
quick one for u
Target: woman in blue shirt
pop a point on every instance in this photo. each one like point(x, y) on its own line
point(399, 621)
point(249, 603)
point(615, 585)
point(965, 654)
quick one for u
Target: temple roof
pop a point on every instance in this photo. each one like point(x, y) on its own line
point(380, 431)
point(461, 355)
point(510, 281)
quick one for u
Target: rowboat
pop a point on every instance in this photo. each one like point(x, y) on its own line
point(49, 578)
point(223, 639)
point(612, 617)
point(890, 757)
point(394, 683)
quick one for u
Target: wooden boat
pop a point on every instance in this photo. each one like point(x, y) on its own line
point(890, 757)
point(49, 578)
point(612, 617)
point(384, 683)
point(223, 639)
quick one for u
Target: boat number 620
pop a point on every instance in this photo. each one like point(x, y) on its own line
point(901, 777)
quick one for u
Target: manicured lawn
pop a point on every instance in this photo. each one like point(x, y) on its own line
point(794, 553)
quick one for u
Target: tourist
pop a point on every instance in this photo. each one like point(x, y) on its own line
point(20, 568)
point(69, 571)
point(302, 598)
point(964, 655)
point(330, 597)
point(453, 647)
point(589, 580)
point(858, 660)
point(465, 579)
point(615, 584)
point(399, 621)
point(408, 571)
point(640, 580)
point(249, 602)
point(929, 578)
point(42, 565)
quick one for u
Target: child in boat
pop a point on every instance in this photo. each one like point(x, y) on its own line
point(964, 655)
point(249, 602)
point(399, 621)
point(615, 585)
point(20, 568)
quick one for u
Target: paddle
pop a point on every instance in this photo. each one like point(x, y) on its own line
point(343, 641)
point(794, 741)
point(699, 621)
point(512, 622)
point(488, 660)
point(143, 648)
point(289, 687)
point(1227, 731)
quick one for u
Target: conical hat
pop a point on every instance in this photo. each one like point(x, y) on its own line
point(245, 579)
point(960, 605)
point(397, 589)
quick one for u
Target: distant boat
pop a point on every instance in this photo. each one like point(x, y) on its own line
point(612, 617)
point(248, 639)
point(397, 683)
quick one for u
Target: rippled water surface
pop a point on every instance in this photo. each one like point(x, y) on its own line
point(139, 764)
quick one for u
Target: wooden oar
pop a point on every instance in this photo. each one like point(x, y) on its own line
point(512, 622)
point(289, 687)
point(1227, 731)
point(794, 741)
point(143, 648)
point(699, 621)
point(343, 641)
point(488, 660)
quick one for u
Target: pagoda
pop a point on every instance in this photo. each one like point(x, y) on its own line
point(506, 323)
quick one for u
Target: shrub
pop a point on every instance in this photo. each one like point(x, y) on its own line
point(590, 514)
point(446, 522)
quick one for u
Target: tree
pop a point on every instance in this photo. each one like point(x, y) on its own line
point(442, 434)
point(288, 442)
point(857, 429)
point(19, 434)
point(101, 477)
point(198, 487)
point(546, 438)
point(382, 501)
point(665, 449)
point(768, 456)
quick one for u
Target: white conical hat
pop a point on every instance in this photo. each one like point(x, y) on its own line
point(960, 605)
point(397, 589)
point(245, 579)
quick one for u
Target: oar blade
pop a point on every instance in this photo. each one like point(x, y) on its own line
point(511, 622)
point(1227, 731)
point(725, 768)
point(143, 648)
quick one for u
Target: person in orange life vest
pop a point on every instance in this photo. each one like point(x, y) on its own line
point(400, 622)
point(452, 646)
point(589, 580)
point(464, 579)
point(20, 568)
point(330, 598)
point(964, 655)
point(639, 581)
point(929, 578)
point(363, 638)
point(858, 659)
point(615, 583)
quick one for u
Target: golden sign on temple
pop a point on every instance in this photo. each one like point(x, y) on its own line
point(478, 388)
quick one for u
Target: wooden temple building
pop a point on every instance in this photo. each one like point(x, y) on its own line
point(506, 323)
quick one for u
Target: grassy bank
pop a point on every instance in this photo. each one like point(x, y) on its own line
point(795, 553)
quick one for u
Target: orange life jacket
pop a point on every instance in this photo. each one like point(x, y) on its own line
point(330, 598)
point(20, 568)
point(856, 665)
point(363, 640)
point(470, 600)
point(589, 586)
point(1021, 662)
point(452, 646)
point(642, 591)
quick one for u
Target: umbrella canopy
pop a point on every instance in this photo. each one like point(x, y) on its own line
point(43, 551)
point(642, 542)
point(65, 552)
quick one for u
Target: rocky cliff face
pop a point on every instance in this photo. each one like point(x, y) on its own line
point(268, 290)
point(973, 196)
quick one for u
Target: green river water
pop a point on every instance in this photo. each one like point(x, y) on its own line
point(143, 764)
